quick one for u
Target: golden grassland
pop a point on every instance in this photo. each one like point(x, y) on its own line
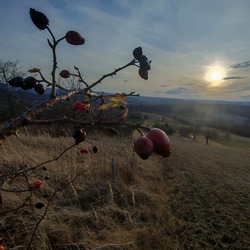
point(198, 198)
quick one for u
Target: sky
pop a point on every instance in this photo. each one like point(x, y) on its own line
point(199, 49)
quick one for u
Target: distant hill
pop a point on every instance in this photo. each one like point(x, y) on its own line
point(219, 114)
point(190, 107)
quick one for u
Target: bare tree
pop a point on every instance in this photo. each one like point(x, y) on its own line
point(209, 134)
point(11, 102)
point(9, 69)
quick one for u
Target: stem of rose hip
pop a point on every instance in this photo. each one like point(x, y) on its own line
point(142, 134)
point(53, 72)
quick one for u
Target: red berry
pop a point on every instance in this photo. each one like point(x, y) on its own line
point(137, 53)
point(39, 88)
point(29, 82)
point(64, 74)
point(74, 38)
point(95, 149)
point(40, 20)
point(161, 142)
point(39, 205)
point(143, 146)
point(37, 184)
point(144, 64)
point(84, 151)
point(78, 106)
point(79, 136)
point(16, 81)
point(143, 74)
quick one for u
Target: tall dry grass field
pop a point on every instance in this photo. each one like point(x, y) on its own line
point(198, 198)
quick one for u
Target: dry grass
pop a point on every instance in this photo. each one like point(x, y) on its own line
point(196, 199)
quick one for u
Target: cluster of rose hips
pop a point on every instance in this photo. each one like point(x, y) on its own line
point(143, 62)
point(29, 82)
point(42, 22)
point(156, 141)
point(80, 136)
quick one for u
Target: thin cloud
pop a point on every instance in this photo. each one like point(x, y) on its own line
point(180, 91)
point(245, 97)
point(234, 78)
point(189, 84)
point(240, 65)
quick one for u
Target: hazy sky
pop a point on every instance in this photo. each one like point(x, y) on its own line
point(199, 48)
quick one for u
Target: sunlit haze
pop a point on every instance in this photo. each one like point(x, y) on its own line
point(199, 49)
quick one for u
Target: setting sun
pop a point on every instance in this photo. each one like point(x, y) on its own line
point(216, 75)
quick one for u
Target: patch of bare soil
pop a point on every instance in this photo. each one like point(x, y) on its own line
point(209, 194)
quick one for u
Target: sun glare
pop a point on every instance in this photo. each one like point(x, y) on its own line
point(216, 75)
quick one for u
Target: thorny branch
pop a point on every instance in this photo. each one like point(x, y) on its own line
point(53, 73)
point(11, 128)
point(25, 119)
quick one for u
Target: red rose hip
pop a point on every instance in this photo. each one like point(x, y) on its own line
point(143, 74)
point(79, 136)
point(74, 38)
point(78, 106)
point(143, 146)
point(37, 184)
point(39, 88)
point(64, 73)
point(161, 142)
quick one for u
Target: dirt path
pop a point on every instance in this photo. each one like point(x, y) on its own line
point(209, 188)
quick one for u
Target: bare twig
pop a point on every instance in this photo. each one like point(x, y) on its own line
point(80, 76)
point(89, 123)
point(115, 246)
point(53, 72)
point(112, 73)
point(47, 207)
point(22, 171)
point(23, 120)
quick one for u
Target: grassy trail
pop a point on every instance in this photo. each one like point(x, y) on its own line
point(209, 187)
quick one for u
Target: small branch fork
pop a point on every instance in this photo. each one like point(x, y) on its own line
point(54, 67)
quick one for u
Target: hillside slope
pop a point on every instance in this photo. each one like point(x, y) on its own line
point(198, 198)
point(209, 187)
